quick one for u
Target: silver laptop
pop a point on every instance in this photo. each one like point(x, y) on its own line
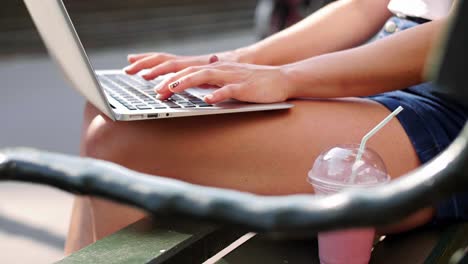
point(119, 96)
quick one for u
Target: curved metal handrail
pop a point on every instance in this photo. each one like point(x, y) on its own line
point(295, 213)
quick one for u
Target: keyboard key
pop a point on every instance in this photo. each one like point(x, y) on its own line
point(171, 104)
point(186, 104)
point(197, 102)
point(205, 105)
point(131, 81)
point(154, 103)
point(193, 98)
point(158, 106)
point(143, 107)
point(178, 100)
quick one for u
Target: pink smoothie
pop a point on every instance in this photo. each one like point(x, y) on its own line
point(330, 174)
point(351, 246)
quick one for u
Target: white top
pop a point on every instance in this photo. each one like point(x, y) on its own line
point(429, 9)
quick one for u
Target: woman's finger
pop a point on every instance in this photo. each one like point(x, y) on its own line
point(208, 86)
point(147, 62)
point(177, 65)
point(222, 94)
point(167, 67)
point(163, 96)
point(132, 58)
point(163, 87)
point(204, 76)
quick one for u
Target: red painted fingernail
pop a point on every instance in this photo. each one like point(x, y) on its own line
point(214, 59)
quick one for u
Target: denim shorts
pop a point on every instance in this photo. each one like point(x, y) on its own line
point(431, 120)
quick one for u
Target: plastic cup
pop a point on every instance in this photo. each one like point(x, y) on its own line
point(331, 173)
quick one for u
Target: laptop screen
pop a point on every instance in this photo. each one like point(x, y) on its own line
point(63, 44)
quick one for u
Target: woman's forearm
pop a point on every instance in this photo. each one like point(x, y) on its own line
point(340, 25)
point(388, 64)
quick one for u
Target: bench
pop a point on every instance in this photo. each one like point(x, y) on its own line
point(148, 241)
point(195, 222)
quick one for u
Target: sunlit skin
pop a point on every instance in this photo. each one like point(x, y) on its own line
point(268, 153)
point(333, 75)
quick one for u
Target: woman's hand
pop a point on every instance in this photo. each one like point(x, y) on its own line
point(244, 82)
point(164, 63)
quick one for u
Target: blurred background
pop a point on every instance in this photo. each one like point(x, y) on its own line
point(39, 109)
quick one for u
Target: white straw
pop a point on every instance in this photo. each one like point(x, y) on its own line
point(369, 135)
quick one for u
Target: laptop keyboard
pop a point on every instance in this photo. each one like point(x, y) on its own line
point(136, 93)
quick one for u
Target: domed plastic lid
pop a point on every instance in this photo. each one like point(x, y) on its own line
point(333, 168)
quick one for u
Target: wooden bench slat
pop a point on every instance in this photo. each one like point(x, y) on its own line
point(158, 241)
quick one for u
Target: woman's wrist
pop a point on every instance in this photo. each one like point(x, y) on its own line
point(245, 55)
point(311, 78)
point(293, 82)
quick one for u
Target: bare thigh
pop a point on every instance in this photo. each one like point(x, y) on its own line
point(264, 152)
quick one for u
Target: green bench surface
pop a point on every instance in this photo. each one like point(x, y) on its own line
point(148, 241)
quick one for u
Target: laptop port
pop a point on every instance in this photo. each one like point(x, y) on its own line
point(153, 116)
